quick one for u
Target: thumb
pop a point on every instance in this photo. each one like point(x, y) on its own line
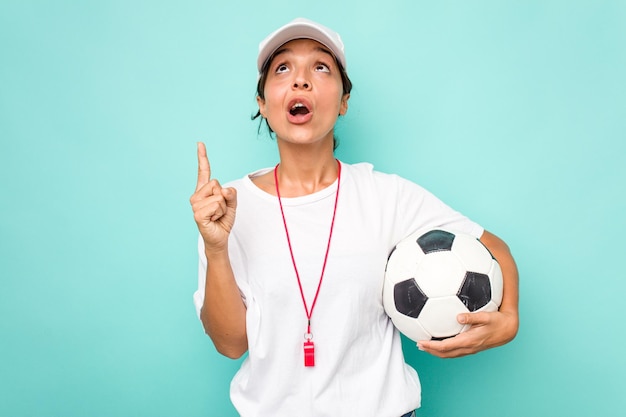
point(472, 318)
point(230, 195)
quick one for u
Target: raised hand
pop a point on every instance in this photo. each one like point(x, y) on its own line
point(213, 206)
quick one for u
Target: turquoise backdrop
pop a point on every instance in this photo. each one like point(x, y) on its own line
point(513, 112)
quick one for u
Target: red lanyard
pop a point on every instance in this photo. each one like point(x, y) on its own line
point(309, 349)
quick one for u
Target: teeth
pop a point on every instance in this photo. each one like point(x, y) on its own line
point(299, 108)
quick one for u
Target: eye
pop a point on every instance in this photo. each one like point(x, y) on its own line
point(321, 67)
point(281, 69)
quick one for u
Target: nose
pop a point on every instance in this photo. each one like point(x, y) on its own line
point(301, 82)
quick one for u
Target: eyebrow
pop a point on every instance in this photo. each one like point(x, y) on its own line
point(318, 48)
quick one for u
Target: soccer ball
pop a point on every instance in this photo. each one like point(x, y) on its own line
point(432, 276)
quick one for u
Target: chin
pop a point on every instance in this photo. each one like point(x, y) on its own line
point(304, 136)
point(300, 140)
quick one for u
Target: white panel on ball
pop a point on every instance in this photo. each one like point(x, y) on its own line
point(475, 257)
point(430, 317)
point(435, 273)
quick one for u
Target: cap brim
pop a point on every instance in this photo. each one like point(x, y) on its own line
point(300, 29)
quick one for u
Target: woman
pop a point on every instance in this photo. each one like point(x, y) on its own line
point(296, 279)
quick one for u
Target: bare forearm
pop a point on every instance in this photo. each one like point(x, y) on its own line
point(510, 297)
point(224, 313)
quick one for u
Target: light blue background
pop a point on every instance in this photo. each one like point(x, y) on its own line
point(512, 112)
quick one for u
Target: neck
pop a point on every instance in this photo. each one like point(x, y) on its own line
point(303, 172)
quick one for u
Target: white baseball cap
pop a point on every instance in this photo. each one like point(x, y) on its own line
point(301, 28)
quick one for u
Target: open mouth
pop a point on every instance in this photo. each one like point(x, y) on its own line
point(299, 109)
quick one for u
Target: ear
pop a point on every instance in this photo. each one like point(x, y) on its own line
point(261, 104)
point(343, 106)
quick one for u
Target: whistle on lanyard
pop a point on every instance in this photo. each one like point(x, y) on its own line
point(309, 353)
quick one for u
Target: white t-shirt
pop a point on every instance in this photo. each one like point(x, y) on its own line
point(359, 364)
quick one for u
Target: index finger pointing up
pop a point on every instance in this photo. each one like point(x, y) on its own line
point(204, 168)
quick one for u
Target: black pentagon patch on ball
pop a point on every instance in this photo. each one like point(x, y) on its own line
point(435, 241)
point(409, 298)
point(475, 292)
